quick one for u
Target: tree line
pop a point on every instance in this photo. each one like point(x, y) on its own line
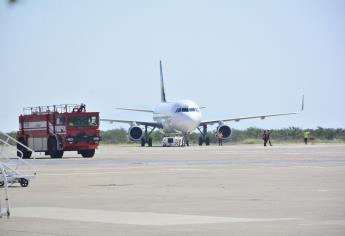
point(248, 136)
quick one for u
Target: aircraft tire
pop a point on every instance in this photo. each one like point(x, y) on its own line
point(143, 142)
point(200, 141)
point(207, 141)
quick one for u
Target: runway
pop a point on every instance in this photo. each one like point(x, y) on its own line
point(229, 190)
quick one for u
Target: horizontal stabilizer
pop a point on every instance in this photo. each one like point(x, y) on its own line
point(135, 122)
point(138, 110)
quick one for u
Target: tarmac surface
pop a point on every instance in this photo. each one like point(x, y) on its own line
point(229, 190)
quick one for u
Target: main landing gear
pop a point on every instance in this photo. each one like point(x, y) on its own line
point(146, 139)
point(204, 138)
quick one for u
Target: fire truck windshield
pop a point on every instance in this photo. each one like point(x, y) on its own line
point(82, 121)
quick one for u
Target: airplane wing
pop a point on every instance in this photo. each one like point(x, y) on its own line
point(131, 122)
point(211, 122)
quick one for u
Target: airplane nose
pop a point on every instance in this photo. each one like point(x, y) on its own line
point(190, 121)
point(196, 118)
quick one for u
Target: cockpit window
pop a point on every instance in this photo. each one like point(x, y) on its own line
point(185, 109)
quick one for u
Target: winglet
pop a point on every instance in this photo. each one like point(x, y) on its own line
point(162, 83)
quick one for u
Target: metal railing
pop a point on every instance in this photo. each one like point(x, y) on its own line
point(6, 210)
point(8, 174)
point(6, 143)
point(50, 109)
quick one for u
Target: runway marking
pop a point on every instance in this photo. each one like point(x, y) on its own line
point(129, 218)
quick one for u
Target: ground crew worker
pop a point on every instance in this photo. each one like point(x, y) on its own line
point(219, 136)
point(306, 136)
point(269, 137)
point(264, 137)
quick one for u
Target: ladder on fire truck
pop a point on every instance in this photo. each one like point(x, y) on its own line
point(9, 168)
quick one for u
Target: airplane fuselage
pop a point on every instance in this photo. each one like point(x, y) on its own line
point(181, 117)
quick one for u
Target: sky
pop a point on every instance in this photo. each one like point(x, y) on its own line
point(236, 58)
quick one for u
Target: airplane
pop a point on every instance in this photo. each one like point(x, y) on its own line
point(181, 117)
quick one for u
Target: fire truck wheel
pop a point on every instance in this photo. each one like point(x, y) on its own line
point(26, 153)
point(87, 153)
point(150, 142)
point(2, 183)
point(24, 182)
point(60, 154)
point(52, 149)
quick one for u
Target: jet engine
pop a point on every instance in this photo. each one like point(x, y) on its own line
point(226, 131)
point(135, 133)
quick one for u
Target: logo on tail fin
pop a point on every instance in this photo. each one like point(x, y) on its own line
point(162, 84)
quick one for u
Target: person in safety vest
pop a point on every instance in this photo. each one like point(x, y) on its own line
point(219, 136)
point(306, 136)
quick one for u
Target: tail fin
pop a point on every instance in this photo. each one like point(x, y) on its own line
point(162, 83)
point(302, 108)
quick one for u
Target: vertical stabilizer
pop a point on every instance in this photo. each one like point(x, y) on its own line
point(162, 83)
point(302, 109)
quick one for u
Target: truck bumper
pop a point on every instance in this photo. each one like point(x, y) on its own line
point(81, 143)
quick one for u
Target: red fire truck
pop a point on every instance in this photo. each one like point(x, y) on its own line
point(58, 128)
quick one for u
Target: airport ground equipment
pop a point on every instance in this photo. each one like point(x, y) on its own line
point(12, 160)
point(175, 141)
point(10, 163)
point(13, 176)
point(4, 211)
point(58, 128)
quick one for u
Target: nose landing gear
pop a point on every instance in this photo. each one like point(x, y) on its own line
point(186, 140)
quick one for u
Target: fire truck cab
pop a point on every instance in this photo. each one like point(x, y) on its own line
point(58, 128)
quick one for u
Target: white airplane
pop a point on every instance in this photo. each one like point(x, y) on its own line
point(180, 117)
